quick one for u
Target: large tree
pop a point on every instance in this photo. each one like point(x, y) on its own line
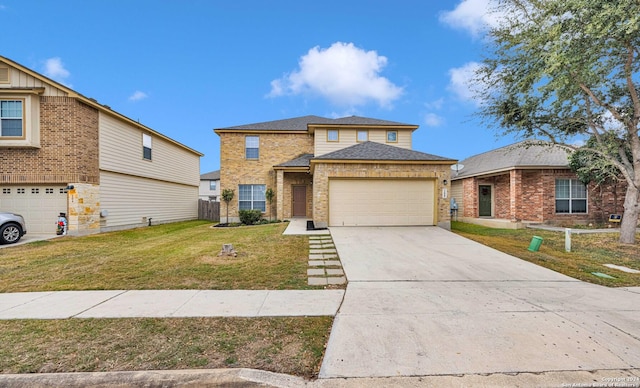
point(562, 70)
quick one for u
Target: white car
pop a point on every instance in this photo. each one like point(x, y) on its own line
point(12, 227)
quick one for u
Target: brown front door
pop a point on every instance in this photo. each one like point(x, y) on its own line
point(299, 201)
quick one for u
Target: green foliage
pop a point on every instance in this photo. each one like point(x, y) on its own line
point(250, 217)
point(227, 195)
point(567, 69)
point(590, 166)
point(269, 195)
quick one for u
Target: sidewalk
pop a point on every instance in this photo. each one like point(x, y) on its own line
point(169, 303)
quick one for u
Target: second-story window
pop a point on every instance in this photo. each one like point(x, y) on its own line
point(363, 135)
point(11, 119)
point(212, 185)
point(146, 147)
point(252, 147)
point(332, 135)
point(392, 136)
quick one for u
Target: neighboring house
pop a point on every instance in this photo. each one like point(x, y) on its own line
point(528, 182)
point(63, 152)
point(348, 171)
point(210, 186)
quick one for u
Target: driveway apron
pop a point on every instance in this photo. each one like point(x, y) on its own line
point(424, 301)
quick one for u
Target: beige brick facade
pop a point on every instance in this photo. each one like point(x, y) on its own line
point(68, 147)
point(324, 171)
point(275, 148)
point(529, 195)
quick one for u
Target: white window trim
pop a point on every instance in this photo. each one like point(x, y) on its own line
point(246, 146)
point(147, 144)
point(571, 198)
point(252, 200)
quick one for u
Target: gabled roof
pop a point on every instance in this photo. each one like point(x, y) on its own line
point(377, 151)
point(527, 154)
point(306, 123)
point(91, 102)
point(300, 161)
point(211, 176)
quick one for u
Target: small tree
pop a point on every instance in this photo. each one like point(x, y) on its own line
point(227, 196)
point(269, 194)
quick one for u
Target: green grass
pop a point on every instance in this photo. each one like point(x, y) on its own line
point(588, 252)
point(283, 345)
point(180, 255)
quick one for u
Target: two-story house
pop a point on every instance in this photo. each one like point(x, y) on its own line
point(210, 186)
point(337, 172)
point(61, 152)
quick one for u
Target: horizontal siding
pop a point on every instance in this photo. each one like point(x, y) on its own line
point(20, 79)
point(348, 138)
point(121, 151)
point(128, 200)
point(458, 194)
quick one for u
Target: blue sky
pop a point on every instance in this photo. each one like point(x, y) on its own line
point(187, 67)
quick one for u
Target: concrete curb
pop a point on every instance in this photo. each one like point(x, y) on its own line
point(258, 378)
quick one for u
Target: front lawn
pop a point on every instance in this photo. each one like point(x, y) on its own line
point(181, 255)
point(588, 252)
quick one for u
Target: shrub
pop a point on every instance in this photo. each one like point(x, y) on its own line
point(250, 217)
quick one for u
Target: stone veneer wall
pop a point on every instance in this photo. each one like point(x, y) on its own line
point(275, 148)
point(84, 209)
point(324, 171)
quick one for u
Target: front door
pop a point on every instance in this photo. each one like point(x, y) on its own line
point(299, 201)
point(484, 201)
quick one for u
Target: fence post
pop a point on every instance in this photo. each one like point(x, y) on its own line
point(567, 239)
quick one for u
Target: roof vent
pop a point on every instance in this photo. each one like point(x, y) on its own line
point(4, 75)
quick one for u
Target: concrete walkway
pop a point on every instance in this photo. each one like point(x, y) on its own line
point(169, 303)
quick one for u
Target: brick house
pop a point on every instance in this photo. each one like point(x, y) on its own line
point(348, 171)
point(528, 182)
point(63, 152)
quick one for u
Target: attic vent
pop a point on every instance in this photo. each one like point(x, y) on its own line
point(4, 75)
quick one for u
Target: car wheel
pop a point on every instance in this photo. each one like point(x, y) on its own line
point(10, 233)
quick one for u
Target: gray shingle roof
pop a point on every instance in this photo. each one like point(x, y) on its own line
point(525, 154)
point(377, 151)
point(300, 161)
point(301, 123)
point(210, 176)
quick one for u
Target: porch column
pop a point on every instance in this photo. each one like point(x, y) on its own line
point(279, 194)
point(515, 195)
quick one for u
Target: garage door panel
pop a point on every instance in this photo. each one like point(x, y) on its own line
point(381, 202)
point(40, 205)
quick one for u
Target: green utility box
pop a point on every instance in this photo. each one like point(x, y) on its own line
point(535, 244)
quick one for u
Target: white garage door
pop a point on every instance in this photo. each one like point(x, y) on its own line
point(39, 205)
point(381, 202)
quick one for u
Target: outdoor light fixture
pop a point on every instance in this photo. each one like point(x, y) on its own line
point(444, 182)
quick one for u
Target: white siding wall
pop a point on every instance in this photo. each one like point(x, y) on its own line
point(131, 200)
point(205, 190)
point(348, 138)
point(121, 151)
point(458, 194)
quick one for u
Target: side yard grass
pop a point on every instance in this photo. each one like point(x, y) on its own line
point(589, 252)
point(172, 256)
point(180, 255)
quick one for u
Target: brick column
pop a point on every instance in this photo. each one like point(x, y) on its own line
point(279, 194)
point(515, 195)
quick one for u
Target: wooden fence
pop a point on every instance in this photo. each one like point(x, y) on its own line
point(208, 210)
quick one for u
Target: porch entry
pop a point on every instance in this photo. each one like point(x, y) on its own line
point(299, 201)
point(484, 201)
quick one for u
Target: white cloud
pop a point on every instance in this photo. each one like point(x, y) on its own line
point(54, 69)
point(461, 80)
point(433, 120)
point(343, 74)
point(436, 104)
point(138, 95)
point(474, 16)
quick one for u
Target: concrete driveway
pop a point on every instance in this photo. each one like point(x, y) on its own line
point(424, 301)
